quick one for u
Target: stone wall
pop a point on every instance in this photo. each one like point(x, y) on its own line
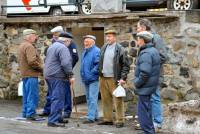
point(181, 72)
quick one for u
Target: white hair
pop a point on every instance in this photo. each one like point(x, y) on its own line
point(64, 39)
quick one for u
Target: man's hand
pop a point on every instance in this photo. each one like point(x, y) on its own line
point(72, 80)
point(121, 82)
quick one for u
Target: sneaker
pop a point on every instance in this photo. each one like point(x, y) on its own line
point(137, 126)
point(105, 123)
point(55, 125)
point(157, 127)
point(88, 122)
point(119, 125)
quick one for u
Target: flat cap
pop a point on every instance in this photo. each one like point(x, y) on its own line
point(90, 36)
point(66, 35)
point(29, 31)
point(57, 29)
point(111, 31)
point(147, 36)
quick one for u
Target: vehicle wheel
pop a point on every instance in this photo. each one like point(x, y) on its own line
point(85, 7)
point(56, 11)
point(182, 4)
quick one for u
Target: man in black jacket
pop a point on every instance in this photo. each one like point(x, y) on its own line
point(114, 67)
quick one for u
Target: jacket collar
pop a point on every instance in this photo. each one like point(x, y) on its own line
point(89, 49)
point(148, 45)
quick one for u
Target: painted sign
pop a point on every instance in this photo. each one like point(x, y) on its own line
point(26, 3)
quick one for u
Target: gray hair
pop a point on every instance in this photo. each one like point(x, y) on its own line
point(64, 39)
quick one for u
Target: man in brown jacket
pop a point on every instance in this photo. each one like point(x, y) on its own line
point(30, 68)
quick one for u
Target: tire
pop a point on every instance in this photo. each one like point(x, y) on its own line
point(185, 5)
point(56, 11)
point(85, 7)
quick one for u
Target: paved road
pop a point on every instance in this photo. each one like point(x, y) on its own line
point(9, 110)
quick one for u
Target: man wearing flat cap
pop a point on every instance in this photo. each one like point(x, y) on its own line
point(90, 76)
point(114, 68)
point(146, 79)
point(57, 71)
point(30, 67)
point(56, 31)
point(146, 25)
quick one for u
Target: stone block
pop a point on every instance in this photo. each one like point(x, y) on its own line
point(192, 96)
point(168, 69)
point(193, 32)
point(179, 44)
point(169, 93)
point(11, 31)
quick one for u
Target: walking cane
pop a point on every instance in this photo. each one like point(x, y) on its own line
point(74, 104)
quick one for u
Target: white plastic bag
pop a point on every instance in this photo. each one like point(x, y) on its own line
point(119, 92)
point(20, 88)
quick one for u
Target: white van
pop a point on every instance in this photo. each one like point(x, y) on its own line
point(53, 7)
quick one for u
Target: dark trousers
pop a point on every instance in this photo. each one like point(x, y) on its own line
point(47, 106)
point(68, 100)
point(67, 105)
point(58, 89)
point(145, 114)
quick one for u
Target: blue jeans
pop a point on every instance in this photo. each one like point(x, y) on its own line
point(92, 93)
point(68, 101)
point(156, 108)
point(145, 114)
point(57, 88)
point(30, 96)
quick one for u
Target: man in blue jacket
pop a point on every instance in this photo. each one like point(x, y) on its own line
point(57, 70)
point(146, 79)
point(159, 44)
point(90, 76)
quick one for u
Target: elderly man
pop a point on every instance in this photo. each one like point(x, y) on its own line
point(57, 71)
point(159, 44)
point(114, 67)
point(68, 98)
point(90, 76)
point(30, 68)
point(146, 79)
point(56, 31)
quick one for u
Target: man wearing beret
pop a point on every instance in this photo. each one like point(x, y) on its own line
point(114, 67)
point(90, 76)
point(146, 79)
point(68, 98)
point(30, 68)
point(57, 71)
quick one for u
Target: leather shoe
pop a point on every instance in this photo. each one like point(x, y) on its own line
point(43, 115)
point(63, 121)
point(119, 125)
point(55, 125)
point(88, 122)
point(105, 123)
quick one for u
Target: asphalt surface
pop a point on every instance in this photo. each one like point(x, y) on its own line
point(9, 124)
